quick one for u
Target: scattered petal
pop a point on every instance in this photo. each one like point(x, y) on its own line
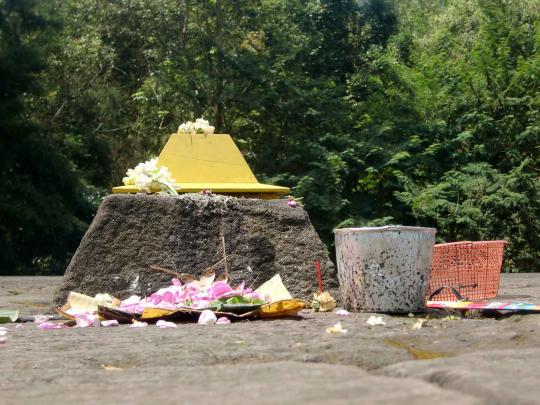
point(137, 324)
point(375, 321)
point(337, 328)
point(419, 324)
point(109, 322)
point(342, 312)
point(207, 317)
point(87, 320)
point(3, 332)
point(50, 325)
point(2, 328)
point(223, 321)
point(3, 340)
point(41, 318)
point(164, 324)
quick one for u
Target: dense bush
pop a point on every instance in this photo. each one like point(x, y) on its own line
point(416, 112)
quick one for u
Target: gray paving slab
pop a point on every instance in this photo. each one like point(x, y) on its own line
point(285, 361)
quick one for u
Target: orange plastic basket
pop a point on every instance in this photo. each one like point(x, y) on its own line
point(471, 268)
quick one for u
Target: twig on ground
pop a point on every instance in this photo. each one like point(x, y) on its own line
point(224, 256)
point(164, 270)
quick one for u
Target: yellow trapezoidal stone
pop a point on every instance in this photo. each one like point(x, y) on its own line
point(214, 162)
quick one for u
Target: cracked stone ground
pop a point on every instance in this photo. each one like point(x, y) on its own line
point(467, 361)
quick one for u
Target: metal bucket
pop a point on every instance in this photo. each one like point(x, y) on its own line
point(384, 269)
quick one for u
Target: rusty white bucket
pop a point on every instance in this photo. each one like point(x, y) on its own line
point(384, 269)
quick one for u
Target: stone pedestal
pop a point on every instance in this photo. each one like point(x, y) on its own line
point(183, 233)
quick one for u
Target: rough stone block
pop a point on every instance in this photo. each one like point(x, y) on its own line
point(183, 233)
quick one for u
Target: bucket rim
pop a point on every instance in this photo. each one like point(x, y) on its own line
point(387, 228)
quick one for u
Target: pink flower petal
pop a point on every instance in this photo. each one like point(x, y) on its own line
point(50, 325)
point(175, 281)
point(109, 322)
point(41, 318)
point(3, 332)
point(253, 295)
point(164, 324)
point(3, 340)
point(133, 300)
point(343, 312)
point(223, 321)
point(87, 320)
point(219, 289)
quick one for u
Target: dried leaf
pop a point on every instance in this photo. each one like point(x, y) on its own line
point(324, 302)
point(111, 368)
point(187, 278)
point(116, 314)
point(224, 277)
point(62, 312)
point(281, 308)
point(207, 278)
point(164, 270)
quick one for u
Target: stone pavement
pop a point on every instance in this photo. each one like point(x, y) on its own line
point(467, 361)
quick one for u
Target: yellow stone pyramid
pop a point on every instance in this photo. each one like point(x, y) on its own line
point(209, 162)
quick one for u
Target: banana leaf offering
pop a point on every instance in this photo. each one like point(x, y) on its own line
point(185, 300)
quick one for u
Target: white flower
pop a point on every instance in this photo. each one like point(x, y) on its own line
point(148, 175)
point(185, 128)
point(375, 321)
point(207, 317)
point(164, 324)
point(200, 126)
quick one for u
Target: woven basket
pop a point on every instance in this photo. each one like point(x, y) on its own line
point(472, 269)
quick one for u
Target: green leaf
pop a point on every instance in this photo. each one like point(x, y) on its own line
point(8, 315)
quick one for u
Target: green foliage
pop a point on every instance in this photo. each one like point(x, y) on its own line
point(419, 112)
point(42, 205)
